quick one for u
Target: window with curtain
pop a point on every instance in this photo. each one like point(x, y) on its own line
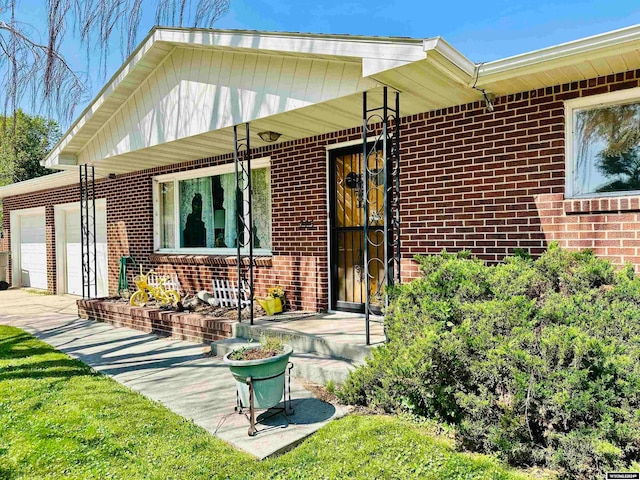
point(200, 212)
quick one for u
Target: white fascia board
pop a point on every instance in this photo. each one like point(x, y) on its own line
point(463, 68)
point(377, 54)
point(356, 47)
point(559, 55)
point(46, 182)
point(438, 53)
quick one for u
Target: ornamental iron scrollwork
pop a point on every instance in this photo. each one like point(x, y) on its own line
point(244, 218)
point(88, 248)
point(381, 201)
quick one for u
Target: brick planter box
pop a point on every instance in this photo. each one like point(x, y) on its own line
point(194, 327)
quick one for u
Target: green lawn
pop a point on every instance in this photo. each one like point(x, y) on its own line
point(59, 419)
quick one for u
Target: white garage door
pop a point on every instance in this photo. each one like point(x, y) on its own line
point(33, 251)
point(73, 252)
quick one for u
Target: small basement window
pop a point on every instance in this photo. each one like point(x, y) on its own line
point(603, 144)
point(195, 211)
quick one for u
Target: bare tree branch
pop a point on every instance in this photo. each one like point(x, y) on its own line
point(36, 70)
point(39, 73)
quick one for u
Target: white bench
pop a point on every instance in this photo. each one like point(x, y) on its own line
point(225, 292)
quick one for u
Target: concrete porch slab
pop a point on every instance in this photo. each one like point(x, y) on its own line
point(338, 327)
point(179, 374)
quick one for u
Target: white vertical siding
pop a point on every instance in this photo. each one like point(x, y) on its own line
point(194, 91)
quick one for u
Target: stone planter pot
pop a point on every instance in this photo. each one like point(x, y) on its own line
point(267, 392)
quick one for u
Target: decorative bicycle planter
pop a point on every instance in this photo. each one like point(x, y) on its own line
point(261, 384)
point(146, 288)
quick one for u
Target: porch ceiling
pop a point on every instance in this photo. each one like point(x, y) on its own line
point(318, 119)
point(304, 122)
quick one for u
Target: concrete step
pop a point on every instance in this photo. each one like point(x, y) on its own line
point(303, 342)
point(310, 366)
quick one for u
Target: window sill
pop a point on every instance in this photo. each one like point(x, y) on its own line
point(261, 259)
point(216, 252)
point(602, 204)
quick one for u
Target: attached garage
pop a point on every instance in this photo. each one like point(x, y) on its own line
point(69, 248)
point(29, 248)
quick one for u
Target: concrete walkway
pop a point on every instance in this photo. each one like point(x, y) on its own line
point(179, 374)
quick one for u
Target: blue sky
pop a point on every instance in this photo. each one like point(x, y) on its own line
point(481, 30)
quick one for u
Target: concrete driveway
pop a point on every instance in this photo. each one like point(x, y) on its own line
point(181, 375)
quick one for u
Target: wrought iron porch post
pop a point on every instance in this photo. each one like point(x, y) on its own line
point(387, 214)
point(95, 238)
point(88, 231)
point(365, 195)
point(395, 154)
point(386, 121)
point(244, 218)
point(82, 247)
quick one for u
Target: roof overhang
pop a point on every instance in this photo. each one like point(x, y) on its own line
point(47, 182)
point(429, 73)
point(596, 56)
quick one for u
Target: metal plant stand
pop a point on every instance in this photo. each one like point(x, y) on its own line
point(285, 410)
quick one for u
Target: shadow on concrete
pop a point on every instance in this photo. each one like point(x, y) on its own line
point(114, 351)
point(307, 411)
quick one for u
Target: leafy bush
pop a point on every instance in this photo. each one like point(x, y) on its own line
point(537, 361)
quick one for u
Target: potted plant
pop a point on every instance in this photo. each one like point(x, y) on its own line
point(265, 364)
point(274, 302)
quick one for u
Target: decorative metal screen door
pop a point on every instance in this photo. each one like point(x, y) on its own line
point(347, 230)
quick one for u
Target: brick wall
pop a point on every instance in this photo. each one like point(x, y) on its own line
point(487, 182)
point(299, 261)
point(492, 182)
point(183, 326)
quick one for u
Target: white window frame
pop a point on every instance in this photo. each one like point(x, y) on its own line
point(256, 164)
point(571, 107)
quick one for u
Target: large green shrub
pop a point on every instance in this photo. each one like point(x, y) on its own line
point(537, 361)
